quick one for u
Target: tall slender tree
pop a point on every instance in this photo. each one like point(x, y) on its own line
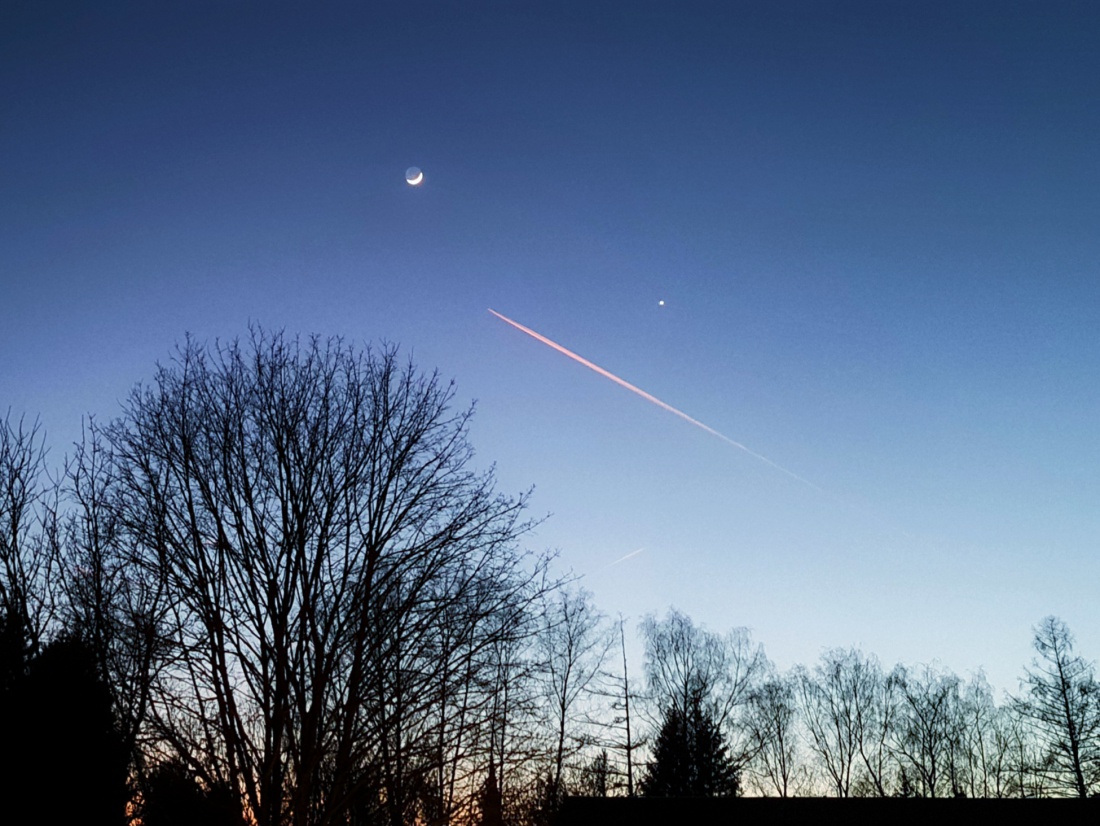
point(1060, 699)
point(573, 646)
point(622, 737)
point(772, 718)
point(28, 528)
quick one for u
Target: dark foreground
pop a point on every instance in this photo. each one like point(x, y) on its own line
point(621, 811)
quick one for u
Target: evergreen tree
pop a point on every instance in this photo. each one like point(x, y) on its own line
point(62, 751)
point(173, 797)
point(691, 758)
point(492, 803)
point(596, 775)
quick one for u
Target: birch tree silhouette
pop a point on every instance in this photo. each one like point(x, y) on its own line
point(687, 665)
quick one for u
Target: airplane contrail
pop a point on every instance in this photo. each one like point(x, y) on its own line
point(649, 398)
point(622, 559)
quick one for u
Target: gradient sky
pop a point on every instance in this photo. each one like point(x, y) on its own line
point(875, 225)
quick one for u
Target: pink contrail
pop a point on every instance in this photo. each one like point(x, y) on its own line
point(649, 398)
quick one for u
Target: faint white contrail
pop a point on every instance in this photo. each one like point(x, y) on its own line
point(622, 559)
point(649, 398)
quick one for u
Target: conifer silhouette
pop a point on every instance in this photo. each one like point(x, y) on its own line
point(690, 757)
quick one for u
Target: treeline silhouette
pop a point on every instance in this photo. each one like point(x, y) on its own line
point(275, 590)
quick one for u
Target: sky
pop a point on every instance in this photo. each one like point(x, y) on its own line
point(873, 226)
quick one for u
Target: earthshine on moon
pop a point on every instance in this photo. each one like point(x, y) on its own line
point(413, 176)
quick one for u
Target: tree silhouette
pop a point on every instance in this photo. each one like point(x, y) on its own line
point(63, 752)
point(772, 718)
point(573, 646)
point(14, 654)
point(687, 664)
point(333, 568)
point(690, 757)
point(491, 803)
point(927, 728)
point(27, 526)
point(113, 606)
point(596, 775)
point(618, 690)
point(173, 796)
point(1062, 704)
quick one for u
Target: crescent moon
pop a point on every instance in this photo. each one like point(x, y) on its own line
point(415, 181)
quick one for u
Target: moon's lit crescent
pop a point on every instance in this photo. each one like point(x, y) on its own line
point(417, 179)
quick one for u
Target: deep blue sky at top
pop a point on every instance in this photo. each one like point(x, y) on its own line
point(875, 225)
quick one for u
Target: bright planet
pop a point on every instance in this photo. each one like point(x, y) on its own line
point(414, 175)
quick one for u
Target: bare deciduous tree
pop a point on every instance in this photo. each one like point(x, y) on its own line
point(848, 709)
point(828, 697)
point(927, 728)
point(772, 717)
point(573, 646)
point(1020, 756)
point(978, 761)
point(616, 688)
point(109, 604)
point(876, 719)
point(1061, 702)
point(28, 528)
point(312, 517)
point(686, 666)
